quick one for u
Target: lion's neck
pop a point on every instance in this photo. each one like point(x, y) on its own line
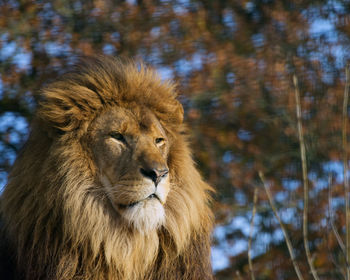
point(106, 243)
point(126, 256)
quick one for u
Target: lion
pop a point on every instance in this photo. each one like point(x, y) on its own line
point(105, 187)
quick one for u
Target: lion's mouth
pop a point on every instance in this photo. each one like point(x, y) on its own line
point(151, 196)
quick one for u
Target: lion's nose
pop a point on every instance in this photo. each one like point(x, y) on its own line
point(155, 174)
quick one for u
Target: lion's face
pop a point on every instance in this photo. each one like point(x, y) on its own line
point(130, 149)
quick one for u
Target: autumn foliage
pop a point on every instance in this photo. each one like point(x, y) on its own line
point(234, 63)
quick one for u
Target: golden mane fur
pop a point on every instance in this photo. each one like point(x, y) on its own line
point(54, 224)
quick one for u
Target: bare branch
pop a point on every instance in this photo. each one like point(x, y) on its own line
point(339, 268)
point(305, 180)
point(345, 162)
point(335, 231)
point(285, 233)
point(255, 200)
point(239, 277)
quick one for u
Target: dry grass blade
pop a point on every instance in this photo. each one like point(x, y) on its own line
point(330, 211)
point(285, 233)
point(345, 162)
point(305, 180)
point(239, 277)
point(250, 262)
point(334, 229)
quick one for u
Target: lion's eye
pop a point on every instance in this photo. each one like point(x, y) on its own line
point(160, 141)
point(117, 136)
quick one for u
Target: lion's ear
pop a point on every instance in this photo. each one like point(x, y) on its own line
point(179, 112)
point(65, 108)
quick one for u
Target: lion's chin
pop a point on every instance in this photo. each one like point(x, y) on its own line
point(144, 216)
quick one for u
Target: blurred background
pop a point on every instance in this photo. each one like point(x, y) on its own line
point(234, 62)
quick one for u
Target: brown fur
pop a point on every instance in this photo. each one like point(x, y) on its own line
point(57, 222)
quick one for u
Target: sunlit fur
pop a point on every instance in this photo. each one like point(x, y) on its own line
point(58, 222)
point(146, 215)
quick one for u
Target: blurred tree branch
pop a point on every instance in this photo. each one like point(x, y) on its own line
point(285, 232)
point(255, 200)
point(305, 179)
point(345, 167)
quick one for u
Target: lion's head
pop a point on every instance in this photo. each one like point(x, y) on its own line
point(130, 149)
point(106, 188)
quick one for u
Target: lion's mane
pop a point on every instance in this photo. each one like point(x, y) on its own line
point(53, 223)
